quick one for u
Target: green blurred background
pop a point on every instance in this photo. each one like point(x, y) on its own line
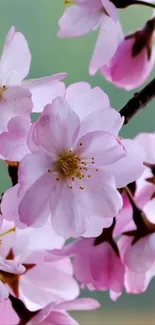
point(37, 19)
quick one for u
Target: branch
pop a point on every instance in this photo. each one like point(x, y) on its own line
point(138, 101)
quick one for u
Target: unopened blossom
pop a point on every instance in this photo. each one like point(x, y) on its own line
point(7, 314)
point(96, 265)
point(84, 16)
point(42, 282)
point(133, 60)
point(14, 67)
point(57, 313)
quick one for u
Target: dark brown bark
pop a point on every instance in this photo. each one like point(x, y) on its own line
point(138, 101)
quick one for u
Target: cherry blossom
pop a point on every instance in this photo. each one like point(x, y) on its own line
point(42, 282)
point(133, 60)
point(57, 313)
point(86, 155)
point(96, 265)
point(84, 16)
point(14, 67)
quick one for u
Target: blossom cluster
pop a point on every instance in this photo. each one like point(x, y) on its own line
point(74, 177)
point(124, 60)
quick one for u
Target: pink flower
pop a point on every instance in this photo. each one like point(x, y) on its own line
point(14, 67)
point(96, 265)
point(7, 314)
point(98, 122)
point(133, 60)
point(42, 282)
point(57, 313)
point(13, 142)
point(69, 172)
point(84, 16)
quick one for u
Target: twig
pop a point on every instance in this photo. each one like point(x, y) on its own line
point(138, 101)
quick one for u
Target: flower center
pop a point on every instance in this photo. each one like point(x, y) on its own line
point(68, 165)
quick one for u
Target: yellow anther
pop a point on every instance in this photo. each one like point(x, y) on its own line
point(2, 89)
point(69, 2)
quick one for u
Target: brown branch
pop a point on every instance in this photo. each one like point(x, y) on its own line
point(138, 101)
point(121, 4)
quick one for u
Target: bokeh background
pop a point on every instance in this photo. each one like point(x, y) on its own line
point(38, 19)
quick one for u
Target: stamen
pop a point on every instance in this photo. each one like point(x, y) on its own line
point(69, 2)
point(8, 232)
point(2, 89)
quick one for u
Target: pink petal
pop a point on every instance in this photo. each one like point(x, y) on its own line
point(45, 89)
point(149, 209)
point(8, 315)
point(110, 9)
point(79, 304)
point(34, 207)
point(104, 50)
point(10, 204)
point(13, 144)
point(147, 140)
point(77, 21)
point(107, 269)
point(32, 167)
point(4, 293)
point(48, 282)
point(129, 168)
point(103, 146)
point(57, 116)
point(140, 256)
point(84, 100)
point(104, 119)
point(100, 188)
point(11, 266)
point(69, 219)
point(96, 225)
point(15, 60)
point(49, 316)
point(15, 102)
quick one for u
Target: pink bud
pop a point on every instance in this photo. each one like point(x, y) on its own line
point(134, 59)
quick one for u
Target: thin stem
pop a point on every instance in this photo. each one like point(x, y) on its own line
point(138, 101)
point(147, 4)
point(121, 4)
